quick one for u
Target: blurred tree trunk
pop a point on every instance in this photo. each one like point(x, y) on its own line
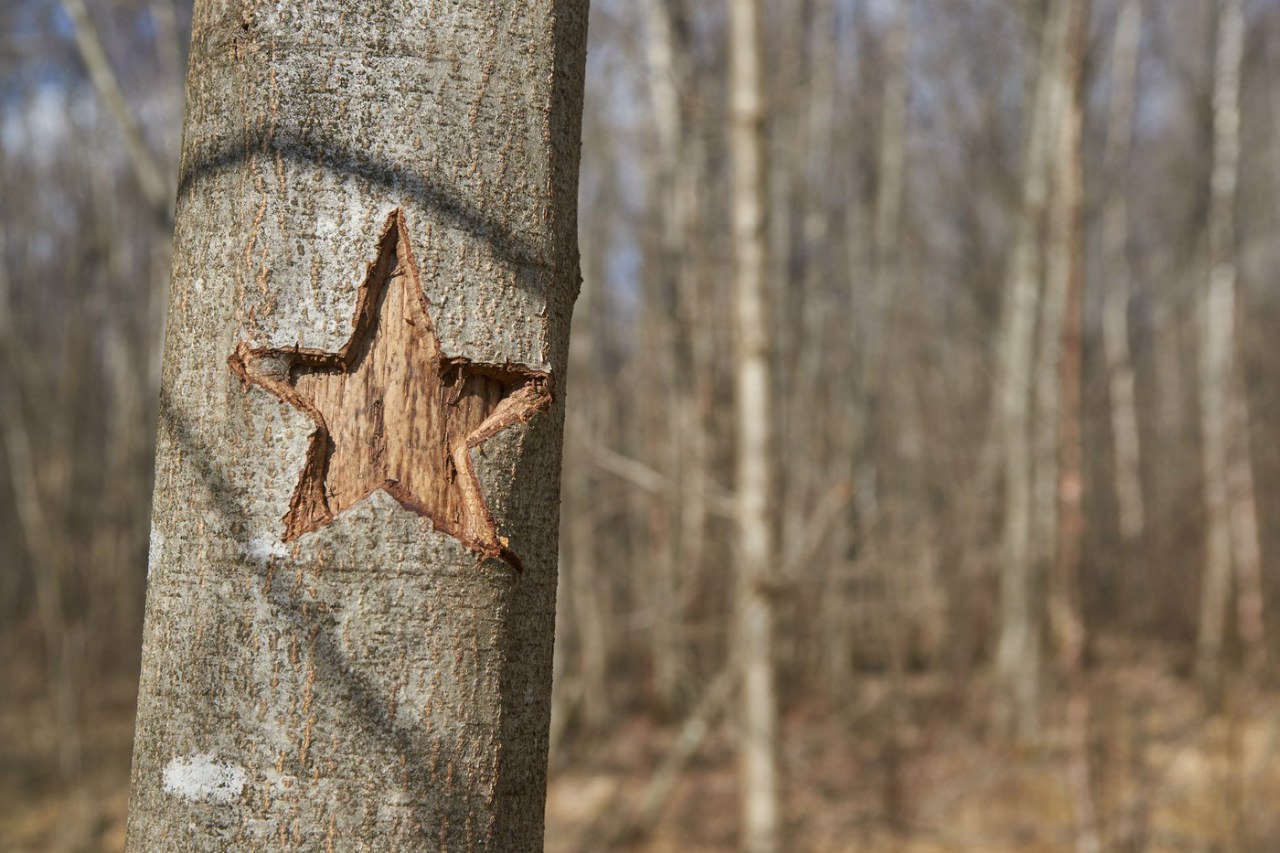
point(1245, 543)
point(1048, 394)
point(1066, 272)
point(676, 431)
point(757, 561)
point(375, 683)
point(835, 639)
point(875, 285)
point(145, 165)
point(674, 90)
point(1018, 654)
point(1230, 516)
point(584, 588)
point(891, 159)
point(39, 487)
point(905, 587)
point(1116, 296)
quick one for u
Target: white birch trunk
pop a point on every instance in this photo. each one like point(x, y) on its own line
point(1116, 296)
point(759, 727)
point(1066, 238)
point(1217, 347)
point(1018, 652)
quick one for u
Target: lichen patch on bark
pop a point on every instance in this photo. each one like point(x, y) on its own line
point(392, 412)
point(201, 776)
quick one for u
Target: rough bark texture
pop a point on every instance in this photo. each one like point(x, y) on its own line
point(374, 683)
point(760, 729)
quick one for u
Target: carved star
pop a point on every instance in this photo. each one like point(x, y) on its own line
point(392, 412)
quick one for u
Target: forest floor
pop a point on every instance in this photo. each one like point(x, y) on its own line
point(1166, 777)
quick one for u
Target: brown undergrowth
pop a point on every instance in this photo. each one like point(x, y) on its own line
point(1166, 776)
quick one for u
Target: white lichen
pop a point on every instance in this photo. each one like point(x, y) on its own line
point(200, 776)
point(263, 549)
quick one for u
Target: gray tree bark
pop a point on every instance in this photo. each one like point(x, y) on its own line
point(760, 729)
point(1231, 526)
point(1115, 312)
point(381, 680)
point(1217, 346)
point(1066, 272)
point(1018, 653)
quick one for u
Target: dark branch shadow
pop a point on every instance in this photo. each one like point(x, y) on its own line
point(423, 189)
point(312, 619)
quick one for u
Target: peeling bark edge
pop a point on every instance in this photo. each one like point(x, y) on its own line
point(533, 392)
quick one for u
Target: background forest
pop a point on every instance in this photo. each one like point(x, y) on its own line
point(1022, 272)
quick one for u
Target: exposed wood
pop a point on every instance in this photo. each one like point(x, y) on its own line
point(392, 412)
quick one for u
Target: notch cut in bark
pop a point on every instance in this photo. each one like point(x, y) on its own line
point(392, 412)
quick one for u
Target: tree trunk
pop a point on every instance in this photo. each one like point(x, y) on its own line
point(1115, 312)
point(1049, 403)
point(875, 289)
point(1067, 262)
point(1217, 348)
point(375, 266)
point(1018, 654)
point(759, 730)
point(585, 588)
point(673, 219)
point(104, 80)
point(905, 587)
point(1246, 546)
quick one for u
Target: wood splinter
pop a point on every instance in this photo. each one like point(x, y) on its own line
point(394, 413)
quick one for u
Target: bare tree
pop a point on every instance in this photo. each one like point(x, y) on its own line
point(944, 381)
point(1066, 263)
point(1018, 655)
point(759, 728)
point(374, 275)
point(1230, 525)
point(1118, 290)
point(145, 165)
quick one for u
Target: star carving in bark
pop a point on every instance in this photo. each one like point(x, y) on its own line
point(392, 412)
